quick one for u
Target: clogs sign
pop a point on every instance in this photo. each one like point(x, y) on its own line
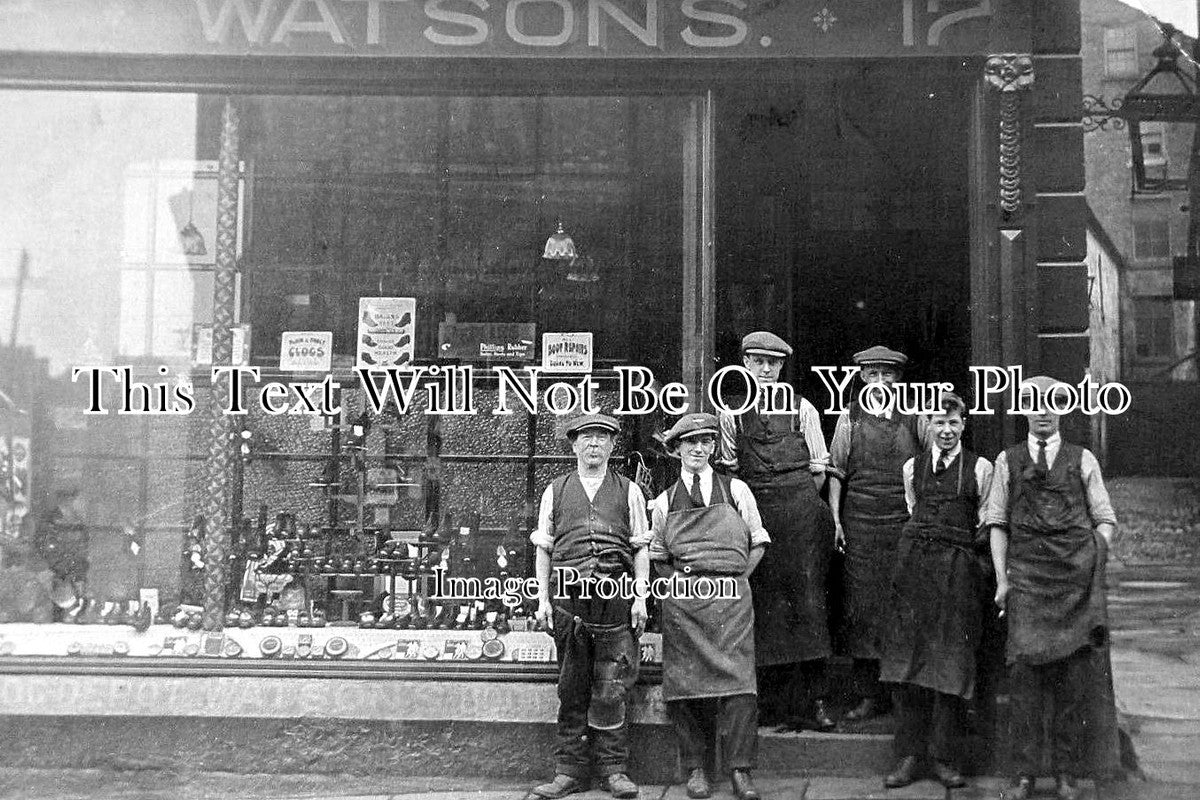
point(652, 29)
point(385, 331)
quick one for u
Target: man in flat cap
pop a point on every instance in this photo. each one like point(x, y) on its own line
point(707, 533)
point(782, 458)
point(867, 455)
point(1050, 524)
point(591, 527)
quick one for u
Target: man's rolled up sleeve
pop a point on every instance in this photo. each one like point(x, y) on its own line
point(543, 534)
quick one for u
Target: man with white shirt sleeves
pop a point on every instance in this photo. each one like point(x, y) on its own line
point(866, 456)
point(782, 458)
point(1050, 524)
point(706, 529)
point(935, 622)
point(591, 527)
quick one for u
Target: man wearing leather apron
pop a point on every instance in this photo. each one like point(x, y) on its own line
point(1051, 523)
point(592, 528)
point(782, 458)
point(707, 534)
point(935, 622)
point(869, 448)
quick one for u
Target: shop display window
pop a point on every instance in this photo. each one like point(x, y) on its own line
point(108, 244)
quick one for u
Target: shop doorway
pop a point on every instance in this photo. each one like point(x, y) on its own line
point(842, 219)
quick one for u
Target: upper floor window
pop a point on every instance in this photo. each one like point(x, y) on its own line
point(1154, 324)
point(1120, 53)
point(1151, 238)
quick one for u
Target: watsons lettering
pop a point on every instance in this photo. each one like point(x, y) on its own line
point(450, 390)
point(534, 24)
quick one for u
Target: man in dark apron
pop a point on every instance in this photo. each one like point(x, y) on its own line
point(1051, 523)
point(782, 458)
point(708, 535)
point(869, 448)
point(591, 528)
point(934, 625)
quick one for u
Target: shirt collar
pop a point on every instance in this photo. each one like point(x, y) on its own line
point(951, 454)
point(687, 473)
point(1052, 441)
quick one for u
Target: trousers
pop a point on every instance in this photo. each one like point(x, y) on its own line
point(1057, 690)
point(728, 725)
point(927, 723)
point(597, 665)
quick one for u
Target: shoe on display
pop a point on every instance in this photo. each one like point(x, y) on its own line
point(561, 786)
point(1022, 789)
point(904, 773)
point(697, 784)
point(619, 785)
point(1065, 788)
point(821, 719)
point(743, 785)
point(143, 618)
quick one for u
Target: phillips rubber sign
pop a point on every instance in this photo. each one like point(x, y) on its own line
point(517, 28)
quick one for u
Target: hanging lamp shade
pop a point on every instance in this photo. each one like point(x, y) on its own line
point(560, 246)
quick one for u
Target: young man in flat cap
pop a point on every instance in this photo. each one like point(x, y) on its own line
point(934, 622)
point(1051, 523)
point(782, 458)
point(707, 532)
point(867, 454)
point(591, 526)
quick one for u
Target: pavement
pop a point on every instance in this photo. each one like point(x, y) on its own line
point(1154, 608)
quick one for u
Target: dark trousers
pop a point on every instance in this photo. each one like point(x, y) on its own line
point(787, 691)
point(864, 678)
point(1057, 690)
point(726, 724)
point(927, 723)
point(597, 664)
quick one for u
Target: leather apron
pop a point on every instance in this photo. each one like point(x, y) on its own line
point(873, 516)
point(789, 585)
point(708, 644)
point(1056, 561)
point(935, 620)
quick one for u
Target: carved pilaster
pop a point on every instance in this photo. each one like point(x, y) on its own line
point(1010, 74)
point(221, 444)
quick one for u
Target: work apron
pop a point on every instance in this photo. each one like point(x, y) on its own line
point(935, 621)
point(789, 585)
point(873, 516)
point(708, 643)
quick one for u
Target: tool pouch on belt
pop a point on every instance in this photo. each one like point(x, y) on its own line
point(614, 671)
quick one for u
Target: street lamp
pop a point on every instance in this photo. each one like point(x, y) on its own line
point(1166, 94)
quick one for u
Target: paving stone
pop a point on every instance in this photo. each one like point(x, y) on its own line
point(770, 788)
point(985, 787)
point(1147, 790)
point(871, 789)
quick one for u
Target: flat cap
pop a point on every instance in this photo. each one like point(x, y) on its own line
point(765, 343)
point(586, 421)
point(1043, 384)
point(690, 425)
point(880, 355)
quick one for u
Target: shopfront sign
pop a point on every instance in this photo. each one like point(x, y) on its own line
point(567, 352)
point(486, 341)
point(652, 29)
point(386, 332)
point(306, 351)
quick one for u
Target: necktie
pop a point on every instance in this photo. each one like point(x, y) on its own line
point(697, 497)
point(942, 462)
point(1042, 466)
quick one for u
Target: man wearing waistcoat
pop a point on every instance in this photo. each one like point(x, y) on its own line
point(1051, 523)
point(707, 533)
point(591, 527)
point(934, 620)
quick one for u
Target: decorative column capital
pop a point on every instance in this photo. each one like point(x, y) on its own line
point(1009, 72)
